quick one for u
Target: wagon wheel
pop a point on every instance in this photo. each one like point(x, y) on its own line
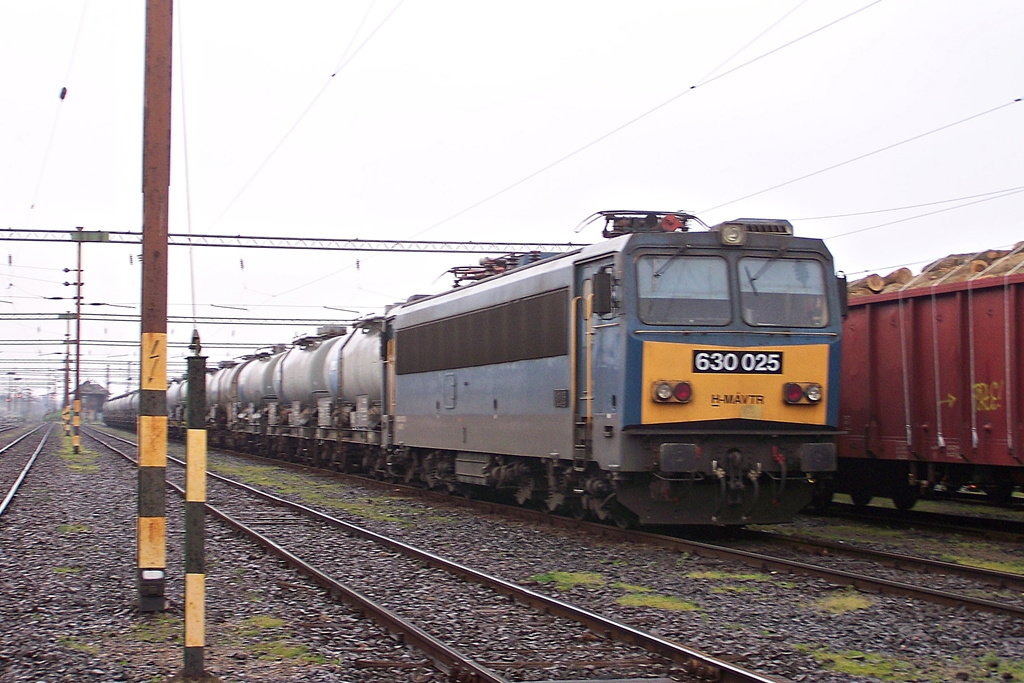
point(861, 497)
point(904, 497)
point(1001, 492)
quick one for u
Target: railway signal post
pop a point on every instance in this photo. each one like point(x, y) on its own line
point(195, 511)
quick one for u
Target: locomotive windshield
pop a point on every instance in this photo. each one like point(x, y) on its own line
point(683, 290)
point(782, 292)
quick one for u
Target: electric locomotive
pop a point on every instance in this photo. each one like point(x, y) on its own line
point(662, 376)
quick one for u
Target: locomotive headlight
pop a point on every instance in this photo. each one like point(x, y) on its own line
point(732, 235)
point(663, 391)
point(813, 393)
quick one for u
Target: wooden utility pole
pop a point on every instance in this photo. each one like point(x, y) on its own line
point(152, 427)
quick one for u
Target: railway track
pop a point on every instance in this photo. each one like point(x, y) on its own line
point(986, 527)
point(15, 464)
point(991, 577)
point(911, 587)
point(463, 603)
point(865, 578)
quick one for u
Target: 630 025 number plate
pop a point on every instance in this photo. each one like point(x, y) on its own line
point(744, 362)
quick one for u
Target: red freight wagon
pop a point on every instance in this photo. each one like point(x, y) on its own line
point(932, 388)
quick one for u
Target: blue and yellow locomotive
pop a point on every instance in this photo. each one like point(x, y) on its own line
point(662, 376)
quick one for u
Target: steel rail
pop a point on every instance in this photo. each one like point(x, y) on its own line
point(989, 527)
point(899, 560)
point(451, 662)
point(693, 661)
point(763, 562)
point(24, 472)
point(20, 438)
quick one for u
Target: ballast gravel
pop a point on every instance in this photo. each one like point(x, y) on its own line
point(67, 594)
point(791, 626)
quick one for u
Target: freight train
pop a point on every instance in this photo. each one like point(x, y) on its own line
point(662, 376)
point(933, 381)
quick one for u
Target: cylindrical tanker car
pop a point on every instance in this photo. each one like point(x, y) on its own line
point(661, 377)
point(933, 382)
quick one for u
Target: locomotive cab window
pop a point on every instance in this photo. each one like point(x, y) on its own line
point(782, 292)
point(683, 290)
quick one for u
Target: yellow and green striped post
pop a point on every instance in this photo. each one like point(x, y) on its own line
point(195, 511)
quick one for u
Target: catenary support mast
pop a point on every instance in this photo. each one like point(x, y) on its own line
point(156, 166)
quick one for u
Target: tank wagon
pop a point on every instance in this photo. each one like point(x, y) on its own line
point(659, 377)
point(122, 411)
point(932, 383)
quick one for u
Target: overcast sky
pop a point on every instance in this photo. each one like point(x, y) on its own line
point(450, 120)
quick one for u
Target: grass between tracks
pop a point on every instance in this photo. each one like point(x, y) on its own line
point(380, 508)
point(266, 637)
point(848, 600)
point(83, 462)
point(984, 666)
point(635, 596)
point(970, 552)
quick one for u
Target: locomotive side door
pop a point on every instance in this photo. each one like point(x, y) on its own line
point(596, 357)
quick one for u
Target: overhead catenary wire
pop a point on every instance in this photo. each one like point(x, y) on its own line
point(642, 116)
point(1009, 193)
point(342, 63)
point(56, 116)
point(861, 157)
point(909, 206)
point(709, 78)
point(750, 42)
point(188, 185)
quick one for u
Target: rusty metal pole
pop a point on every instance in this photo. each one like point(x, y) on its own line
point(66, 409)
point(156, 171)
point(76, 413)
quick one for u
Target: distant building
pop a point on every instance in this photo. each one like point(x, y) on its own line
point(93, 396)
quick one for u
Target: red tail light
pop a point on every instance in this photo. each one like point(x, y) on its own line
point(792, 393)
point(683, 392)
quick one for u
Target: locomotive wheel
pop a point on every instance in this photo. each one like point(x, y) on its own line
point(623, 518)
point(524, 494)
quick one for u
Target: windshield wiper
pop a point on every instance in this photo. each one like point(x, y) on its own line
point(677, 253)
point(760, 272)
point(751, 279)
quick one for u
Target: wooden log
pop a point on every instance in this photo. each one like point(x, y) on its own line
point(901, 276)
point(872, 284)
